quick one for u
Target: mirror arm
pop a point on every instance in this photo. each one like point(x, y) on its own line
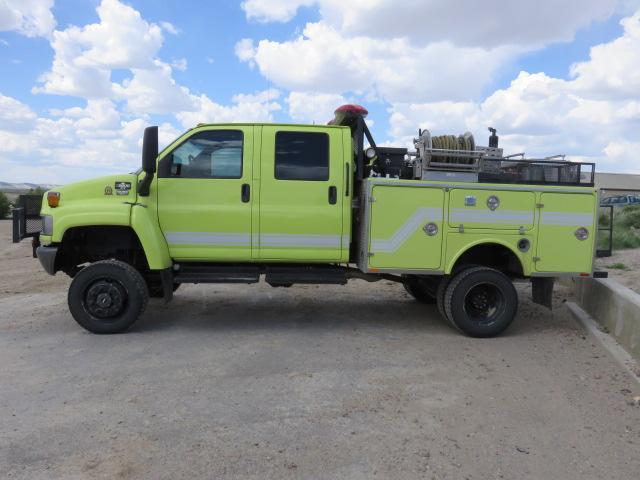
point(144, 184)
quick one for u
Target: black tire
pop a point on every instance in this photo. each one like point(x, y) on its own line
point(107, 296)
point(422, 289)
point(442, 289)
point(481, 301)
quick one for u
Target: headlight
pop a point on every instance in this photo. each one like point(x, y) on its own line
point(47, 225)
point(582, 233)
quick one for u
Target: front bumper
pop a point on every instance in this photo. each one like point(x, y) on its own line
point(47, 257)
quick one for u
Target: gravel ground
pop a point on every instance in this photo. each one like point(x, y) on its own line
point(306, 382)
point(628, 272)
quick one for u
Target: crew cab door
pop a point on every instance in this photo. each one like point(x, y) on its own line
point(205, 194)
point(301, 194)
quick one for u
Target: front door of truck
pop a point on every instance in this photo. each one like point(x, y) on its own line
point(205, 194)
point(301, 194)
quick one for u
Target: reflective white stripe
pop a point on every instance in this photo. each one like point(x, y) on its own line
point(516, 217)
point(567, 219)
point(417, 220)
point(209, 238)
point(299, 240)
point(291, 240)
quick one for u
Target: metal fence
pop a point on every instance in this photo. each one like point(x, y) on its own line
point(604, 244)
point(26, 217)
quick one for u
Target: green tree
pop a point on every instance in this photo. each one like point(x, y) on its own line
point(4, 206)
point(37, 191)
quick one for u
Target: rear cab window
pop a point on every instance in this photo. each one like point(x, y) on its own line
point(302, 156)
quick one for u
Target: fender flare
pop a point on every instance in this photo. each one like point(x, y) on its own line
point(486, 241)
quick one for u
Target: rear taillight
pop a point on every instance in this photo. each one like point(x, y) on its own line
point(53, 199)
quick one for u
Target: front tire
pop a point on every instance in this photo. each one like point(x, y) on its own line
point(107, 296)
point(481, 301)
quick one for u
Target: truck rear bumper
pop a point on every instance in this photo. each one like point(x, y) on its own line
point(47, 257)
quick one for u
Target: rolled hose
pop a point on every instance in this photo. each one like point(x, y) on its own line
point(464, 142)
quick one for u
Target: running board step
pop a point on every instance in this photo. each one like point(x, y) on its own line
point(217, 274)
point(279, 276)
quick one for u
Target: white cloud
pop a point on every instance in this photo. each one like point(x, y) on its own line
point(613, 71)
point(313, 107)
point(464, 22)
point(84, 57)
point(394, 69)
point(73, 144)
point(32, 18)
point(593, 116)
point(273, 10)
point(245, 51)
point(179, 64)
point(154, 91)
point(257, 107)
point(170, 28)
point(14, 115)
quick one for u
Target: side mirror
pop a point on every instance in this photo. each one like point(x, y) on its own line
point(150, 149)
point(149, 156)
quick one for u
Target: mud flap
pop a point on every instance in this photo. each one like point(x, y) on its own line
point(542, 291)
point(166, 276)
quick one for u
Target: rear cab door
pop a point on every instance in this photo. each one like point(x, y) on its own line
point(302, 194)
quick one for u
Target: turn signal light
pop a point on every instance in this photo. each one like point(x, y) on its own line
point(53, 199)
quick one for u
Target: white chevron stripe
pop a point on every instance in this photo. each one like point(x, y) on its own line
point(417, 220)
point(518, 217)
point(209, 239)
point(567, 219)
point(291, 240)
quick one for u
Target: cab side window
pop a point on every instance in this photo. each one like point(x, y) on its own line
point(209, 154)
point(302, 156)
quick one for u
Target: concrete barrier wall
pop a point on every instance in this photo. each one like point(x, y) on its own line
point(615, 307)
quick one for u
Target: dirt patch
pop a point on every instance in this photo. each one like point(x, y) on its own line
point(624, 267)
point(20, 272)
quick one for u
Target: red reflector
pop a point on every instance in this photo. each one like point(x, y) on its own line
point(53, 199)
point(585, 274)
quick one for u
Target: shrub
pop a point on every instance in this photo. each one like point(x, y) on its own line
point(4, 206)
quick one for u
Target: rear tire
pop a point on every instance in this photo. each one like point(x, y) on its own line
point(420, 288)
point(481, 301)
point(107, 296)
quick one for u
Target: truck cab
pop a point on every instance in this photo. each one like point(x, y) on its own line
point(455, 223)
point(263, 193)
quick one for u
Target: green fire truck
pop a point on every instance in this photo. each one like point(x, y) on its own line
point(454, 222)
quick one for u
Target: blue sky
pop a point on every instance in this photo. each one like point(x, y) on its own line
point(82, 78)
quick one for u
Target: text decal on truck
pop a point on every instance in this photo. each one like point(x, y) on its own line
point(122, 188)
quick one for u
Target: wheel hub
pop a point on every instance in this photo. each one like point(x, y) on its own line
point(483, 303)
point(105, 298)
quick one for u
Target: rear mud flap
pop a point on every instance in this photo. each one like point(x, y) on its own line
point(542, 291)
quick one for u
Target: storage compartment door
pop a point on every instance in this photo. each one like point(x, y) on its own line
point(397, 237)
point(559, 249)
point(474, 209)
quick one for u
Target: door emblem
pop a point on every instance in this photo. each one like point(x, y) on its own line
point(108, 190)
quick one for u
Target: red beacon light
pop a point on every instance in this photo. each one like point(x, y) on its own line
point(347, 113)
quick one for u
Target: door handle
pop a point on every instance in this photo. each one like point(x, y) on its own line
point(245, 192)
point(333, 195)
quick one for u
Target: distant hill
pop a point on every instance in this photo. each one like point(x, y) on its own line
point(23, 187)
